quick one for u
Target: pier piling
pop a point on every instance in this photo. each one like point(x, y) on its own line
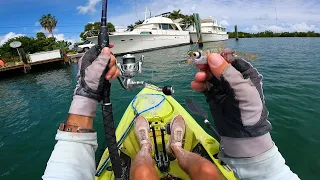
point(236, 32)
point(198, 28)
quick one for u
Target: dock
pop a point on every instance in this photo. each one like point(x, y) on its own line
point(29, 65)
point(73, 58)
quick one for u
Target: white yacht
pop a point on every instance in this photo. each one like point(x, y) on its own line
point(155, 32)
point(210, 31)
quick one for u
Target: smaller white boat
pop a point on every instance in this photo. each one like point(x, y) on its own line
point(210, 31)
point(153, 33)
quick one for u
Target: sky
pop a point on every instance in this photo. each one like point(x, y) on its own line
point(20, 17)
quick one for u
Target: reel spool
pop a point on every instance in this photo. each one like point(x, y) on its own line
point(129, 67)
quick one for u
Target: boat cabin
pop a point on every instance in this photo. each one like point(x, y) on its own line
point(211, 25)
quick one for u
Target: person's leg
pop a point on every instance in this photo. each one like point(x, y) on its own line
point(194, 165)
point(143, 166)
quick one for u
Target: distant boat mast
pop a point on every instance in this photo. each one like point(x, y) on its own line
point(146, 12)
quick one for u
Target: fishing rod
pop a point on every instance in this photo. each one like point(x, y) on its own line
point(107, 114)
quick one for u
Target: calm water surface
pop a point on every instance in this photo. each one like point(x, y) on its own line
point(33, 105)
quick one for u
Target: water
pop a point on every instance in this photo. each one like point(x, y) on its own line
point(33, 105)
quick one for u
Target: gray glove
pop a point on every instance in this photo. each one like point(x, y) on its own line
point(240, 115)
point(91, 74)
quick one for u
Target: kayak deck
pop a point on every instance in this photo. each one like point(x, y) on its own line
point(196, 139)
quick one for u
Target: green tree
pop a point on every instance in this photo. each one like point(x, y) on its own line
point(138, 22)
point(131, 26)
point(188, 19)
point(33, 45)
point(273, 34)
point(48, 22)
point(41, 35)
point(92, 29)
point(176, 15)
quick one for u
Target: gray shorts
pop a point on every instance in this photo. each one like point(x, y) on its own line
point(267, 166)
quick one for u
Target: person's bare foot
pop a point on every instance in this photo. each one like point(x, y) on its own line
point(177, 127)
point(142, 129)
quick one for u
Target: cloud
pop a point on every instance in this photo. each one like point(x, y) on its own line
point(263, 17)
point(303, 27)
point(299, 27)
point(61, 37)
point(89, 8)
point(45, 31)
point(37, 23)
point(40, 30)
point(224, 23)
point(10, 35)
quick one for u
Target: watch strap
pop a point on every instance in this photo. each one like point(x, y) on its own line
point(76, 129)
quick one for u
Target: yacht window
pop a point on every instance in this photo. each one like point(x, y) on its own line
point(170, 27)
point(144, 32)
point(165, 26)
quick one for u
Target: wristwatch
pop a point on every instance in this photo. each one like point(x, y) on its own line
point(77, 129)
point(78, 124)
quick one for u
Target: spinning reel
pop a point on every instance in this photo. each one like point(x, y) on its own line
point(129, 68)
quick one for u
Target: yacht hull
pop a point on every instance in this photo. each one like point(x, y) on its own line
point(208, 37)
point(143, 42)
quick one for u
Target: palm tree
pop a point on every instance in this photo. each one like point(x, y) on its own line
point(48, 22)
point(130, 27)
point(176, 15)
point(189, 20)
point(138, 22)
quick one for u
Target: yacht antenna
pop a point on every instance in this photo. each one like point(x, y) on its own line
point(145, 14)
point(149, 13)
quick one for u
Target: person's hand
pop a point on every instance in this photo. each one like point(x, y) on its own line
point(94, 69)
point(216, 65)
point(235, 96)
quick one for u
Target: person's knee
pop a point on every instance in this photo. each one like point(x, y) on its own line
point(143, 172)
point(209, 170)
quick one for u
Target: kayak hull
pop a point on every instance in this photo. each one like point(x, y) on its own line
point(195, 140)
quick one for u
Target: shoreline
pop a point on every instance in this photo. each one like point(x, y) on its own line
point(270, 37)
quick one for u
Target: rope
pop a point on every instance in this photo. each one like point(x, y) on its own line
point(153, 107)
